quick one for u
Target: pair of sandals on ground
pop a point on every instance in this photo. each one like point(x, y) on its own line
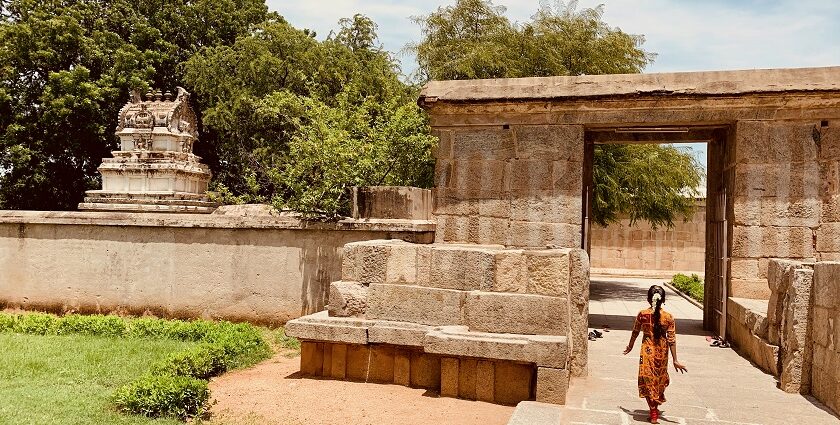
point(595, 334)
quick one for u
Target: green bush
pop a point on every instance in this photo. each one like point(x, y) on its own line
point(175, 386)
point(154, 396)
point(692, 286)
point(95, 325)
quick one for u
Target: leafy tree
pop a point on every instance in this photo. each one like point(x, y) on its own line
point(473, 39)
point(296, 121)
point(66, 67)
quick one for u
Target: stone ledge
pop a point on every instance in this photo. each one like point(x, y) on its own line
point(542, 350)
point(550, 351)
point(708, 83)
point(219, 221)
point(536, 413)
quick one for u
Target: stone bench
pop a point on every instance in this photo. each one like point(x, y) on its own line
point(445, 317)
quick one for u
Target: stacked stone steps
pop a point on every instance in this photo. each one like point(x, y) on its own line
point(455, 306)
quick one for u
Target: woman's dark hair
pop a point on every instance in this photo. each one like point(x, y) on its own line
point(658, 330)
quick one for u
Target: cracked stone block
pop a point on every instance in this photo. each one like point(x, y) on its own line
point(347, 299)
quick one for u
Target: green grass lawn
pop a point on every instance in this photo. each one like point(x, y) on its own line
point(68, 379)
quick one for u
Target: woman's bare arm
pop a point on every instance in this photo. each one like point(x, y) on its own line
point(632, 342)
point(677, 365)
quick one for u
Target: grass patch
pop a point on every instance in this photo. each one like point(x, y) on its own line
point(68, 379)
point(689, 285)
point(175, 385)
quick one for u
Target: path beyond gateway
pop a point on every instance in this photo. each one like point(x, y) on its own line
point(720, 388)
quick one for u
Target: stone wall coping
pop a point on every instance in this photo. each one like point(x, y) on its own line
point(709, 83)
point(281, 221)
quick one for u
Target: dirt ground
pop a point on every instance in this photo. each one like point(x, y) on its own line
point(273, 393)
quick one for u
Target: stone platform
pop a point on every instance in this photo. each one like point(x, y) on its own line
point(480, 322)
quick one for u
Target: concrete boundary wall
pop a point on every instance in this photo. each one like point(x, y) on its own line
point(261, 268)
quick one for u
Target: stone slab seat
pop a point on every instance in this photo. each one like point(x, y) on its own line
point(543, 350)
point(456, 341)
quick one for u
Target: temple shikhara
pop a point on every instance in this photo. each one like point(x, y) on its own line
point(155, 169)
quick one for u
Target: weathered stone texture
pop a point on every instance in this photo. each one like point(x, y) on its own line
point(579, 311)
point(773, 242)
point(417, 304)
point(548, 273)
point(552, 385)
point(461, 267)
point(347, 299)
point(516, 313)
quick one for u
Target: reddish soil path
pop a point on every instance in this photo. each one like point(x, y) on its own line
point(273, 393)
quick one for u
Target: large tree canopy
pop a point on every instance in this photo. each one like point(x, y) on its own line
point(296, 121)
point(474, 39)
point(66, 68)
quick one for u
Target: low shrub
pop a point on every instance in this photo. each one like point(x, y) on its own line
point(689, 285)
point(154, 396)
point(176, 386)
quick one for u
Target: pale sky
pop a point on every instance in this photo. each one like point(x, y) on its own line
point(700, 35)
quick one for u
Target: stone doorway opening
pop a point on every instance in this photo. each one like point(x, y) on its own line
point(715, 240)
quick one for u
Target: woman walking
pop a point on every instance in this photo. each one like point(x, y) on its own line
point(659, 335)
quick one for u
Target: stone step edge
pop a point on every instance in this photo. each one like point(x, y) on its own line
point(321, 327)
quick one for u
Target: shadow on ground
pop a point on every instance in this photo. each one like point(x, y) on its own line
point(625, 323)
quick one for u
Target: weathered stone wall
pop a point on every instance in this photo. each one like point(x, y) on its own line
point(640, 247)
point(257, 268)
point(775, 200)
point(825, 322)
point(516, 185)
point(827, 136)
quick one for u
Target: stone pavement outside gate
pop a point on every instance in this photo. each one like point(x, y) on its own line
point(721, 387)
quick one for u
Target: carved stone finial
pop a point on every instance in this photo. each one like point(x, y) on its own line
point(167, 96)
point(149, 95)
point(158, 96)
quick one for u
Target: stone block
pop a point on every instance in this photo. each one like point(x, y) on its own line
point(551, 351)
point(338, 361)
point(449, 377)
point(391, 202)
point(511, 272)
point(402, 367)
point(483, 143)
point(425, 371)
point(778, 242)
point(417, 304)
point(530, 177)
point(311, 358)
point(744, 268)
point(752, 288)
point(402, 264)
point(567, 176)
point(381, 364)
point(525, 234)
point(762, 142)
point(830, 211)
point(549, 208)
point(827, 285)
point(552, 385)
point(548, 272)
point(326, 369)
point(451, 228)
point(492, 230)
point(517, 313)
point(358, 360)
point(779, 211)
point(513, 382)
point(365, 262)
point(467, 378)
point(321, 327)
point(549, 142)
point(828, 237)
point(497, 208)
point(579, 311)
point(798, 180)
point(479, 176)
point(485, 381)
point(462, 267)
point(404, 334)
point(347, 299)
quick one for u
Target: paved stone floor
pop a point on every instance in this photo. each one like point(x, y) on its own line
point(721, 387)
